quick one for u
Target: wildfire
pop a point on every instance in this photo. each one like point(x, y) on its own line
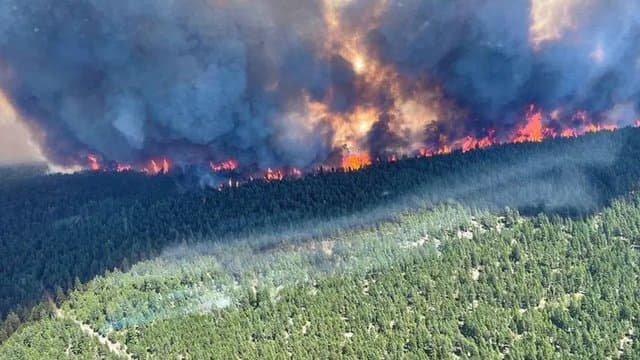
point(359, 64)
point(409, 106)
point(470, 143)
point(551, 19)
point(428, 152)
point(536, 126)
point(225, 166)
point(158, 167)
point(274, 175)
point(124, 167)
point(405, 107)
point(591, 128)
point(568, 133)
point(355, 161)
point(280, 174)
point(586, 125)
point(366, 87)
point(94, 163)
point(532, 130)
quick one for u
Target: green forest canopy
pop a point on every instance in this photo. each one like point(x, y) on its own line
point(64, 230)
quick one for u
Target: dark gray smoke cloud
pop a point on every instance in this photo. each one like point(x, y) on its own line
point(132, 79)
point(205, 80)
point(482, 53)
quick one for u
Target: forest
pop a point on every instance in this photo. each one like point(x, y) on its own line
point(485, 254)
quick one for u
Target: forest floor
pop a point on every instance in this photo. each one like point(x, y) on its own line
point(114, 347)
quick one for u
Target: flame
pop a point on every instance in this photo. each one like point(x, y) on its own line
point(407, 109)
point(162, 166)
point(591, 128)
point(409, 106)
point(359, 64)
point(440, 150)
point(532, 130)
point(123, 167)
point(551, 19)
point(94, 162)
point(536, 126)
point(225, 166)
point(568, 133)
point(471, 143)
point(274, 175)
point(280, 174)
point(586, 125)
point(356, 161)
point(350, 128)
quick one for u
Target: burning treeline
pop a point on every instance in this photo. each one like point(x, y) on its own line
point(276, 88)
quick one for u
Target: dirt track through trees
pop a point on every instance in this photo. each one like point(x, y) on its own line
point(115, 347)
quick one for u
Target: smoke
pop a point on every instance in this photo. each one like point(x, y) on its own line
point(16, 145)
point(219, 273)
point(280, 83)
point(130, 80)
point(495, 57)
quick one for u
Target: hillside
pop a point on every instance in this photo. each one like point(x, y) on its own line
point(418, 256)
point(441, 283)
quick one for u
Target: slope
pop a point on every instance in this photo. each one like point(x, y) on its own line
point(61, 231)
point(440, 283)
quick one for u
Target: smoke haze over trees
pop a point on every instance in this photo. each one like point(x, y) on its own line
point(81, 225)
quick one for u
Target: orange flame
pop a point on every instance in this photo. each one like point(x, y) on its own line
point(535, 127)
point(123, 167)
point(587, 125)
point(280, 174)
point(158, 167)
point(225, 166)
point(408, 109)
point(274, 175)
point(471, 143)
point(94, 163)
point(532, 130)
point(591, 128)
point(568, 132)
point(356, 161)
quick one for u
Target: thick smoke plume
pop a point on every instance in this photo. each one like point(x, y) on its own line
point(282, 83)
